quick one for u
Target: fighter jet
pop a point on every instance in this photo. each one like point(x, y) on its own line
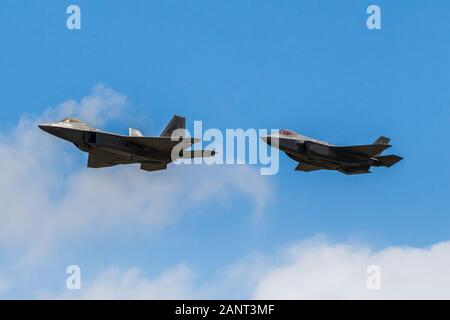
point(109, 149)
point(314, 155)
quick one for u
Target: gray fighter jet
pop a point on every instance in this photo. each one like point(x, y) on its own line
point(109, 149)
point(314, 155)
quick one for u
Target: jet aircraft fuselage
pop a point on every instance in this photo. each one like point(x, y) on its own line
point(314, 154)
point(108, 149)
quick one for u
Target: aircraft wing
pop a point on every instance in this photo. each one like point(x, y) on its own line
point(160, 143)
point(101, 159)
point(370, 150)
point(307, 167)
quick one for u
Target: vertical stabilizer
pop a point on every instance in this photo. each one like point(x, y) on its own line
point(177, 122)
point(382, 140)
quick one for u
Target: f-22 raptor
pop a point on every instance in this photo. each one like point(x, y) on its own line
point(314, 154)
point(108, 149)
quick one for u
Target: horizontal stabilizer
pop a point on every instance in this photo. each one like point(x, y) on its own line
point(365, 150)
point(390, 160)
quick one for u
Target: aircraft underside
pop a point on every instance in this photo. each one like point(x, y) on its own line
point(309, 163)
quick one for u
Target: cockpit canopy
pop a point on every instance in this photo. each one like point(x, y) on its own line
point(285, 132)
point(71, 120)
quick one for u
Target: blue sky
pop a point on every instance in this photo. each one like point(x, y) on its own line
point(310, 66)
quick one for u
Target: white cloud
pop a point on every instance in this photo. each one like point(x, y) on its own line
point(312, 269)
point(47, 197)
point(318, 270)
point(100, 106)
point(115, 283)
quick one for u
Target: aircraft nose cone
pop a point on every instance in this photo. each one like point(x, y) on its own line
point(47, 128)
point(44, 127)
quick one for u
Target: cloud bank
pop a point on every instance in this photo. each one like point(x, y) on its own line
point(311, 269)
point(319, 270)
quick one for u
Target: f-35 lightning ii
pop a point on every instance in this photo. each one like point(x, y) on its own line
point(314, 155)
point(109, 149)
